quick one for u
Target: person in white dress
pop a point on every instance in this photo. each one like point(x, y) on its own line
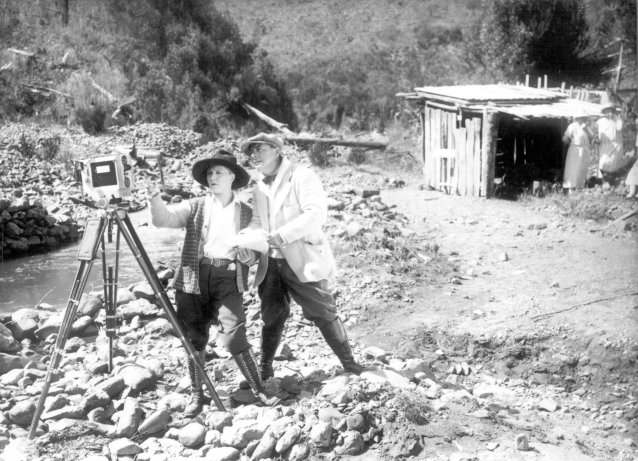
point(578, 153)
point(610, 138)
point(632, 177)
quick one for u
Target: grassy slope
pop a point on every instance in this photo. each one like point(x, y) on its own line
point(296, 32)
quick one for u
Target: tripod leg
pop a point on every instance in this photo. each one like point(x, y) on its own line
point(126, 227)
point(111, 319)
point(67, 322)
point(93, 236)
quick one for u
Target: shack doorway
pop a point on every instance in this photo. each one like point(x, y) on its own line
point(527, 151)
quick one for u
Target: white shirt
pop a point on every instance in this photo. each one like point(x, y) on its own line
point(219, 228)
point(219, 223)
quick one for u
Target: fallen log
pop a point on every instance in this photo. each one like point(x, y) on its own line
point(270, 121)
point(336, 142)
point(292, 137)
point(623, 217)
point(21, 52)
point(108, 95)
point(43, 89)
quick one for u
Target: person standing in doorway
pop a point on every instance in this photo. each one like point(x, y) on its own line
point(290, 207)
point(578, 154)
point(212, 273)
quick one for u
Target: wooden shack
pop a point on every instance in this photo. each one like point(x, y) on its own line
point(473, 136)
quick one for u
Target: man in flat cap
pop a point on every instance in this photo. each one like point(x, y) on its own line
point(290, 205)
point(212, 273)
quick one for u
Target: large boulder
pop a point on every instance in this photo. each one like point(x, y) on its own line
point(23, 324)
point(89, 305)
point(9, 362)
point(7, 342)
point(137, 377)
point(22, 412)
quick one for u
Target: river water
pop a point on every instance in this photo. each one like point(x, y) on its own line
point(25, 281)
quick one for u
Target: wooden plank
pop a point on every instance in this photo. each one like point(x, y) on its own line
point(457, 166)
point(439, 142)
point(452, 163)
point(469, 159)
point(490, 133)
point(432, 165)
point(429, 159)
point(462, 156)
point(436, 143)
point(422, 122)
point(446, 159)
point(477, 156)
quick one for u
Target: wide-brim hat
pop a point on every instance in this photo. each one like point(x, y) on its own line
point(222, 158)
point(262, 138)
point(608, 106)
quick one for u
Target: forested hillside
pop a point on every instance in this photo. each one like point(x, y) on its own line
point(313, 64)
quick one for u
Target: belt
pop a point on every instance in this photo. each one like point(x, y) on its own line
point(227, 264)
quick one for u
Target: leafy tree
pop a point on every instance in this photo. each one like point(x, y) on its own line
point(514, 37)
point(611, 19)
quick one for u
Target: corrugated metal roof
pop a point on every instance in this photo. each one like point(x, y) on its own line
point(467, 94)
point(520, 101)
point(563, 108)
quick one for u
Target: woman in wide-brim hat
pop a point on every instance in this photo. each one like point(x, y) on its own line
point(225, 159)
point(213, 272)
point(610, 159)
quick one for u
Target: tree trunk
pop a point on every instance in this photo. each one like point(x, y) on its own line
point(65, 12)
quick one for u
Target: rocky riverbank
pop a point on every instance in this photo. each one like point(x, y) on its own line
point(434, 395)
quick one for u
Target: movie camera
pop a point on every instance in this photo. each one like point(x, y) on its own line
point(110, 179)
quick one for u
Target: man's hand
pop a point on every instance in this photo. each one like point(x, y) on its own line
point(244, 255)
point(275, 241)
point(152, 190)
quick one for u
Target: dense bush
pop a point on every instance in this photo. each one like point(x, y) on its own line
point(319, 155)
point(91, 119)
point(183, 62)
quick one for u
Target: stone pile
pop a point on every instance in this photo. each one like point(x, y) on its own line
point(26, 226)
point(170, 140)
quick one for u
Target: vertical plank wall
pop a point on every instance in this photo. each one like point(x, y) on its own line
point(462, 174)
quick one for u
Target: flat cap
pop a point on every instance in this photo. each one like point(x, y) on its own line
point(262, 138)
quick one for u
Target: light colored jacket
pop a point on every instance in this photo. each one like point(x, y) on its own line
point(295, 207)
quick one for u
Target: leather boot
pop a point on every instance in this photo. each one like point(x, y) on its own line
point(270, 338)
point(337, 338)
point(196, 402)
point(248, 366)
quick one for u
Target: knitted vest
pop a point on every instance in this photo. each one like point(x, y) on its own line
point(187, 276)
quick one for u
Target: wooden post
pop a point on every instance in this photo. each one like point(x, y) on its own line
point(488, 152)
point(65, 12)
point(538, 85)
point(526, 79)
point(422, 120)
point(545, 81)
point(562, 87)
point(619, 67)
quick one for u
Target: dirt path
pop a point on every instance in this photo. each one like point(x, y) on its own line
point(516, 263)
point(516, 266)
